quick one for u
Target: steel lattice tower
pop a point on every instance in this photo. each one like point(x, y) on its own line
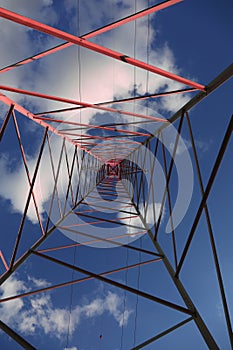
point(88, 170)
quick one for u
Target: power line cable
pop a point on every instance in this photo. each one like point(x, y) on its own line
point(140, 255)
point(71, 300)
point(75, 248)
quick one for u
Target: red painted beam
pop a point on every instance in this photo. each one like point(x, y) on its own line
point(84, 279)
point(94, 33)
point(74, 102)
point(129, 99)
point(4, 261)
point(93, 241)
point(137, 15)
point(31, 116)
point(84, 137)
point(15, 17)
point(90, 126)
point(111, 150)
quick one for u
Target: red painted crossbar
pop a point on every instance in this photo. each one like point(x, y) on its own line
point(94, 33)
point(79, 103)
point(44, 28)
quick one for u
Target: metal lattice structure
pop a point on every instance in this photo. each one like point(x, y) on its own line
point(87, 169)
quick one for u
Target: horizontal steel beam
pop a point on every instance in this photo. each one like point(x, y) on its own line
point(79, 103)
point(80, 280)
point(123, 100)
point(28, 114)
point(94, 33)
point(30, 23)
point(117, 284)
point(211, 87)
point(90, 126)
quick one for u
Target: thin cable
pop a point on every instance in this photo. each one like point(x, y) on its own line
point(75, 248)
point(137, 299)
point(140, 255)
point(124, 304)
point(79, 69)
point(134, 55)
point(126, 282)
point(79, 62)
point(71, 299)
point(127, 253)
point(147, 56)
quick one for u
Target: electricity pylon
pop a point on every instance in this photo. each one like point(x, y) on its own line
point(101, 196)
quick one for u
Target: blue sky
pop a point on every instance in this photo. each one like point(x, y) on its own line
point(192, 39)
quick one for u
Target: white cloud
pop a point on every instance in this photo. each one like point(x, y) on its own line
point(112, 305)
point(39, 312)
point(19, 42)
point(11, 308)
point(156, 207)
point(15, 187)
point(185, 144)
point(59, 74)
point(220, 311)
point(14, 184)
point(149, 218)
point(48, 2)
point(38, 282)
